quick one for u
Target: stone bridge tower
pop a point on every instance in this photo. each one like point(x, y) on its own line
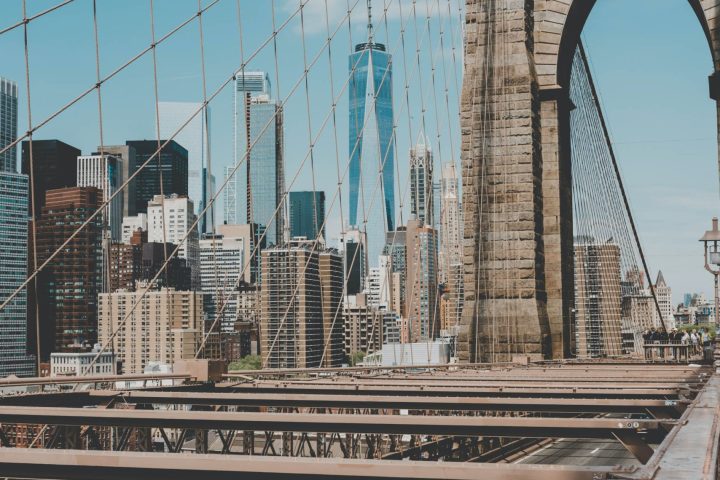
point(517, 195)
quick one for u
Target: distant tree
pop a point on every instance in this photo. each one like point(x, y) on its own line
point(249, 362)
point(356, 358)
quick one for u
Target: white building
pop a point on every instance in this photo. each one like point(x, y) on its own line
point(221, 264)
point(78, 364)
point(436, 352)
point(131, 224)
point(378, 284)
point(195, 138)
point(104, 172)
point(664, 297)
point(179, 217)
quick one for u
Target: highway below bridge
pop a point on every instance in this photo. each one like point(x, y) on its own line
point(564, 420)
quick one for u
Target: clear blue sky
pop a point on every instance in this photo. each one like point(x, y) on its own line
point(650, 60)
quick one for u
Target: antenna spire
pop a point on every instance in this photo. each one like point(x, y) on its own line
point(370, 25)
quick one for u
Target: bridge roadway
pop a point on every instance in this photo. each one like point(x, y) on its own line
point(544, 421)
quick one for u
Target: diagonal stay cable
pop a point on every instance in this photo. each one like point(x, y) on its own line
point(203, 105)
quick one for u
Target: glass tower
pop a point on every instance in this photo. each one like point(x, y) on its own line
point(307, 214)
point(260, 178)
point(371, 142)
point(8, 124)
point(14, 194)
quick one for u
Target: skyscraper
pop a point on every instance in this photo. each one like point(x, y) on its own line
point(14, 261)
point(354, 260)
point(421, 182)
point(222, 258)
point(451, 258)
point(127, 155)
point(172, 168)
point(307, 214)
point(8, 124)
point(421, 282)
point(104, 172)
point(664, 297)
point(301, 316)
point(260, 178)
point(195, 136)
point(371, 141)
point(54, 166)
point(68, 287)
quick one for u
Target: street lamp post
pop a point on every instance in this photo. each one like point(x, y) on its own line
point(712, 258)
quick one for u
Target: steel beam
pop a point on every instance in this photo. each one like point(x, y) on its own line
point(389, 402)
point(44, 381)
point(387, 424)
point(62, 465)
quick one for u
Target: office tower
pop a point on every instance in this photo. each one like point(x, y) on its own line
point(68, 287)
point(131, 224)
point(195, 136)
point(331, 291)
point(663, 293)
point(307, 214)
point(54, 166)
point(250, 236)
point(8, 124)
point(221, 264)
point(354, 261)
point(127, 157)
point(105, 173)
point(164, 327)
point(171, 167)
point(139, 261)
point(260, 177)
point(14, 260)
point(597, 299)
point(371, 141)
point(169, 220)
point(421, 182)
point(299, 289)
point(451, 255)
point(396, 249)
point(421, 282)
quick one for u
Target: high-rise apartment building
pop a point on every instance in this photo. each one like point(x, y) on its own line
point(421, 282)
point(331, 296)
point(54, 166)
point(598, 303)
point(222, 258)
point(422, 195)
point(371, 142)
point(127, 156)
point(167, 175)
point(307, 214)
point(378, 284)
point(195, 137)
point(260, 178)
point(169, 220)
point(68, 287)
point(105, 173)
point(8, 124)
point(298, 291)
point(396, 249)
point(164, 326)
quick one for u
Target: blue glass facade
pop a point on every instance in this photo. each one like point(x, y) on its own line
point(371, 146)
point(14, 257)
point(260, 180)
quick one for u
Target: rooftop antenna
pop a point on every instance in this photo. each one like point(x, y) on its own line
point(370, 25)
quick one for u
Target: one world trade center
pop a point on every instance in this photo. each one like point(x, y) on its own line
point(371, 142)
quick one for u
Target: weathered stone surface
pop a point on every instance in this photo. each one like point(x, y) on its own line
point(517, 195)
